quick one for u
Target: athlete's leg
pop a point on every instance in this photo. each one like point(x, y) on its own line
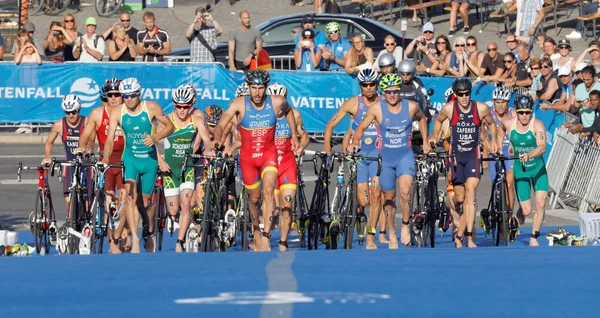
point(383, 223)
point(404, 183)
point(458, 207)
point(253, 199)
point(186, 212)
point(389, 208)
point(375, 212)
point(510, 181)
point(288, 195)
point(469, 208)
point(538, 218)
point(362, 194)
point(268, 204)
point(133, 214)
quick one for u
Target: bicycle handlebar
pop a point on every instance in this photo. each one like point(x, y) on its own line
point(21, 167)
point(500, 158)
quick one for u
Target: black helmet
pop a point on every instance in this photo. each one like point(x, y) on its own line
point(258, 77)
point(212, 114)
point(523, 102)
point(461, 84)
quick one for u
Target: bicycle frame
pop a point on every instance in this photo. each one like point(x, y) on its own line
point(300, 204)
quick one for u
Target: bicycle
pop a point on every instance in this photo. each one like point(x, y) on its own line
point(218, 226)
point(300, 208)
point(43, 216)
point(345, 200)
point(318, 213)
point(157, 200)
point(427, 203)
point(79, 217)
point(495, 217)
point(100, 225)
point(48, 7)
point(106, 8)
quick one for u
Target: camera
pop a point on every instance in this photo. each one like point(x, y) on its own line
point(423, 42)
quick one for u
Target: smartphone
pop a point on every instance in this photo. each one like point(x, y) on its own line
point(305, 43)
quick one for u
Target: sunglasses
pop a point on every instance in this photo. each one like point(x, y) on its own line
point(522, 112)
point(428, 32)
point(440, 42)
point(368, 84)
point(125, 20)
point(563, 47)
point(471, 44)
point(183, 107)
point(390, 44)
point(535, 68)
point(493, 49)
point(546, 66)
point(459, 45)
point(463, 94)
point(392, 91)
point(75, 112)
point(511, 41)
point(334, 32)
point(69, 21)
point(127, 96)
point(508, 61)
point(113, 95)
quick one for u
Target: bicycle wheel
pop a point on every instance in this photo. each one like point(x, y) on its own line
point(313, 217)
point(95, 228)
point(159, 216)
point(504, 210)
point(243, 213)
point(222, 235)
point(35, 6)
point(497, 215)
point(433, 211)
point(38, 232)
point(106, 8)
point(206, 218)
point(51, 216)
point(350, 212)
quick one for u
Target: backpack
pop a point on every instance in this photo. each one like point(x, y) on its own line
point(331, 6)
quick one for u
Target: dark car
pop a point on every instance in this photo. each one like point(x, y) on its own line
point(279, 42)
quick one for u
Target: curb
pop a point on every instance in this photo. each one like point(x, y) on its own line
point(25, 139)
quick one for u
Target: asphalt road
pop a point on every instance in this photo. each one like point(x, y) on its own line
point(17, 199)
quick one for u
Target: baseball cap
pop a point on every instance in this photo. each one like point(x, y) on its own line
point(580, 66)
point(29, 27)
point(564, 71)
point(428, 27)
point(308, 33)
point(308, 18)
point(564, 42)
point(90, 21)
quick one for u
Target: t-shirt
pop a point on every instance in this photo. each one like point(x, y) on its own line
point(582, 94)
point(245, 42)
point(156, 41)
point(490, 66)
point(421, 57)
point(131, 33)
point(338, 48)
point(95, 42)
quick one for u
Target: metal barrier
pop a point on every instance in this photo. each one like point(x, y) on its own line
point(559, 164)
point(278, 62)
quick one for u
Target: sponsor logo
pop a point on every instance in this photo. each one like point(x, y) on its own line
point(87, 90)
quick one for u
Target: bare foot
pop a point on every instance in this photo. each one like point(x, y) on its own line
point(266, 245)
point(471, 243)
point(150, 246)
point(114, 249)
point(125, 243)
point(382, 239)
point(404, 236)
point(371, 241)
point(457, 242)
point(393, 244)
point(282, 248)
point(251, 244)
point(258, 241)
point(135, 245)
point(533, 242)
point(178, 248)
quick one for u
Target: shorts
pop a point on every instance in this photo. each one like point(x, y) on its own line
point(113, 180)
point(254, 165)
point(287, 172)
point(366, 169)
point(174, 184)
point(143, 170)
point(392, 169)
point(523, 183)
point(467, 165)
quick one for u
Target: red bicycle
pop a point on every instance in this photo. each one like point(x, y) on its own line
point(43, 215)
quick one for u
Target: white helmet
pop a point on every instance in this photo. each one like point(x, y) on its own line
point(368, 75)
point(130, 86)
point(242, 90)
point(184, 94)
point(501, 93)
point(71, 103)
point(277, 89)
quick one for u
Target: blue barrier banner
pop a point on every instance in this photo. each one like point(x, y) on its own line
point(32, 93)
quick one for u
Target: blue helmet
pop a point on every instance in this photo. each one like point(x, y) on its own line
point(523, 102)
point(258, 77)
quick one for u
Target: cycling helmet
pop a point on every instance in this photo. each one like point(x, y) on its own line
point(461, 84)
point(389, 80)
point(212, 114)
point(332, 27)
point(130, 86)
point(523, 102)
point(184, 94)
point(111, 84)
point(448, 95)
point(407, 66)
point(277, 89)
point(386, 59)
point(258, 77)
point(367, 75)
point(242, 90)
point(71, 103)
point(103, 93)
point(501, 93)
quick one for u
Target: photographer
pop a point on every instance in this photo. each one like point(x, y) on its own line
point(202, 37)
point(307, 56)
point(55, 42)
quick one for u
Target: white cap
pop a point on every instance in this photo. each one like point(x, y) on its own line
point(564, 71)
point(580, 66)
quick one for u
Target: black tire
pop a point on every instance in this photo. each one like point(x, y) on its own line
point(433, 210)
point(94, 237)
point(74, 207)
point(51, 216)
point(35, 6)
point(314, 218)
point(104, 11)
point(504, 210)
point(222, 208)
point(351, 217)
point(245, 218)
point(37, 230)
point(159, 216)
point(206, 218)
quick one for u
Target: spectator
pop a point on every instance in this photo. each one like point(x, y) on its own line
point(578, 67)
point(475, 57)
point(582, 95)
point(308, 22)
point(539, 40)
point(511, 43)
point(244, 43)
point(30, 29)
point(121, 48)
point(567, 97)
point(437, 57)
point(1, 48)
point(296, 31)
point(548, 90)
point(492, 65)
point(424, 43)
point(125, 19)
point(564, 59)
point(70, 26)
point(532, 14)
point(359, 55)
point(28, 54)
point(336, 49)
point(390, 47)
point(463, 7)
point(19, 41)
point(307, 56)
point(550, 50)
point(153, 42)
point(587, 7)
point(593, 50)
point(90, 46)
point(203, 37)
point(522, 81)
point(453, 63)
point(55, 43)
point(536, 74)
point(510, 68)
point(593, 113)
